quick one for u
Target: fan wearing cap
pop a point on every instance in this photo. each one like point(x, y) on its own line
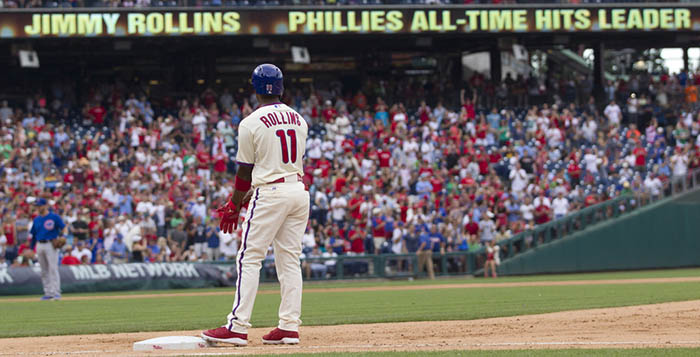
point(47, 226)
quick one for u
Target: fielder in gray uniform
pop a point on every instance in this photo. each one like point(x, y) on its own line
point(46, 229)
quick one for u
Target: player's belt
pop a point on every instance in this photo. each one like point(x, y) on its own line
point(290, 178)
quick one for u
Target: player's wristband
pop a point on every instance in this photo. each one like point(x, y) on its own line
point(241, 184)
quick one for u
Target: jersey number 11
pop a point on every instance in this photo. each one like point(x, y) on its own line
point(292, 145)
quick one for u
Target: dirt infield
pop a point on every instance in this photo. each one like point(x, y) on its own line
point(658, 325)
point(384, 288)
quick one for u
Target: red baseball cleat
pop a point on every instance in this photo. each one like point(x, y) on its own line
point(222, 334)
point(278, 337)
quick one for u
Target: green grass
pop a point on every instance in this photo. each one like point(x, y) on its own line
point(641, 352)
point(38, 318)
point(668, 273)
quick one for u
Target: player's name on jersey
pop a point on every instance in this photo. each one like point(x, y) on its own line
point(283, 118)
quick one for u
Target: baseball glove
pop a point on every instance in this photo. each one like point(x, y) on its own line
point(228, 213)
point(59, 242)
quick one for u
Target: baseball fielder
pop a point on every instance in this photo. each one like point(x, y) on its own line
point(271, 145)
point(46, 229)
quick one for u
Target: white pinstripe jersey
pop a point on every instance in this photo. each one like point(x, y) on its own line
point(273, 138)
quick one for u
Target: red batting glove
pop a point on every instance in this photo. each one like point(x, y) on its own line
point(228, 214)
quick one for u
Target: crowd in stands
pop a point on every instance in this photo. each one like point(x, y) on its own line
point(215, 3)
point(390, 167)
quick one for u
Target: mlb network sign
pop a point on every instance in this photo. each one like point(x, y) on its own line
point(346, 20)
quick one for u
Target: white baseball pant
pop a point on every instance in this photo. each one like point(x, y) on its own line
point(277, 214)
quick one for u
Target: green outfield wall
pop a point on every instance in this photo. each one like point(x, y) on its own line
point(662, 235)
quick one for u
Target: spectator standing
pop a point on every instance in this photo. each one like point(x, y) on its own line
point(653, 186)
point(679, 162)
point(79, 227)
point(118, 252)
point(213, 243)
point(228, 245)
point(560, 206)
point(613, 113)
point(178, 236)
point(491, 251)
point(200, 237)
point(338, 206)
point(425, 254)
point(518, 178)
point(487, 228)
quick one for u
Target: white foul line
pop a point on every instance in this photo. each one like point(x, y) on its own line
point(246, 350)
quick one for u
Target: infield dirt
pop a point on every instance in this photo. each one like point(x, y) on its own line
point(673, 324)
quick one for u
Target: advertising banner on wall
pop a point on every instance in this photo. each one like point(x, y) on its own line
point(345, 20)
point(132, 276)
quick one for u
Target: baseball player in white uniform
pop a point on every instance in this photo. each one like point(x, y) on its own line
point(271, 146)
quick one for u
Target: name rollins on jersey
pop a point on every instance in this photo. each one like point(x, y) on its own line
point(274, 118)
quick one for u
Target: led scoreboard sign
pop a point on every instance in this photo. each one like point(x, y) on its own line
point(349, 20)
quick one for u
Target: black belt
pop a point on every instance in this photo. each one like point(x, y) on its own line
point(44, 241)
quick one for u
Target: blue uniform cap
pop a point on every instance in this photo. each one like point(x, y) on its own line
point(267, 79)
point(40, 202)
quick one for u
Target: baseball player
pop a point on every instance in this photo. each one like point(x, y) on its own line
point(45, 232)
point(271, 145)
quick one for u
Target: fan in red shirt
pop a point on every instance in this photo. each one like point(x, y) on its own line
point(324, 165)
point(69, 259)
point(574, 172)
point(541, 214)
point(203, 158)
point(424, 112)
point(354, 206)
point(384, 159)
point(348, 145)
point(640, 157)
point(97, 113)
point(481, 129)
point(329, 112)
point(340, 182)
point(468, 105)
point(220, 162)
point(591, 199)
point(483, 161)
point(360, 101)
point(467, 181)
point(436, 181)
point(494, 156)
point(471, 228)
point(404, 210)
point(357, 240)
point(9, 229)
point(25, 248)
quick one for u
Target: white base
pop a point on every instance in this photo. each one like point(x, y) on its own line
point(171, 343)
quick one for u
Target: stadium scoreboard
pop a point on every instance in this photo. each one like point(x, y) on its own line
point(398, 20)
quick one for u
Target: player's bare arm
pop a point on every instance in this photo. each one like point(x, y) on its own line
point(244, 173)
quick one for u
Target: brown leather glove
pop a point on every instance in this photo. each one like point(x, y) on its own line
point(59, 242)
